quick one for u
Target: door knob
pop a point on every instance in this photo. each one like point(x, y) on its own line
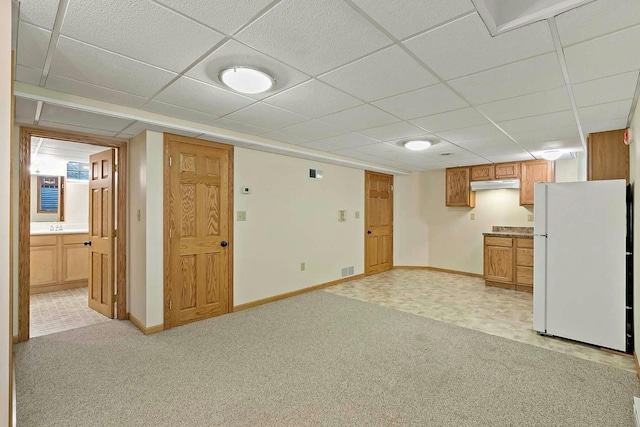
point(87, 243)
point(368, 231)
point(224, 244)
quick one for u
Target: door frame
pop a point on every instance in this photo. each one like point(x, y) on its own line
point(24, 184)
point(366, 218)
point(166, 196)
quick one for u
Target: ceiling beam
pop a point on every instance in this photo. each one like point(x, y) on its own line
point(37, 93)
point(53, 41)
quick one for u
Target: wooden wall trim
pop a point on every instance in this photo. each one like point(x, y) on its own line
point(441, 270)
point(147, 331)
point(24, 178)
point(296, 292)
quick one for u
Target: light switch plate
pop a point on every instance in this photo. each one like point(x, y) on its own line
point(357, 215)
point(530, 218)
point(473, 217)
point(241, 215)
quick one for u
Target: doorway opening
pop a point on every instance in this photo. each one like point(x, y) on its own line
point(72, 245)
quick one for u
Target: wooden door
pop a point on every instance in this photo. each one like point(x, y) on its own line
point(532, 172)
point(607, 156)
point(458, 191)
point(498, 259)
point(101, 231)
point(378, 222)
point(198, 190)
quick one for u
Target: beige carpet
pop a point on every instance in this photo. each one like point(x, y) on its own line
point(316, 359)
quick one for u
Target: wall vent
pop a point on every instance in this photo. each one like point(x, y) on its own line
point(315, 173)
point(347, 271)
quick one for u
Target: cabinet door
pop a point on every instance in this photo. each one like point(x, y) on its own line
point(507, 170)
point(607, 156)
point(532, 172)
point(75, 263)
point(482, 172)
point(458, 191)
point(498, 264)
point(43, 265)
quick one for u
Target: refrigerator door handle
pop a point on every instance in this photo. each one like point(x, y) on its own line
point(541, 235)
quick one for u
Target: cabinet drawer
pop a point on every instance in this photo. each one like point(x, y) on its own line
point(525, 243)
point(498, 241)
point(44, 240)
point(524, 257)
point(524, 275)
point(72, 239)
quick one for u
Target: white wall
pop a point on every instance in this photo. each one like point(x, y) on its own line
point(292, 219)
point(76, 202)
point(136, 258)
point(5, 212)
point(410, 228)
point(155, 229)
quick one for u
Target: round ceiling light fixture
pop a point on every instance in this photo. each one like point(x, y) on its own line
point(417, 144)
point(552, 155)
point(246, 80)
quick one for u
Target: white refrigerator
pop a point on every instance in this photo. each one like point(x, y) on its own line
point(579, 289)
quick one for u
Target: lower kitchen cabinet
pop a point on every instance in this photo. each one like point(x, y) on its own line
point(508, 262)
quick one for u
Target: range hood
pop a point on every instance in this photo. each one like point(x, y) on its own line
point(495, 184)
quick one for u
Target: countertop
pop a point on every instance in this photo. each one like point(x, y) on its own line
point(48, 232)
point(509, 234)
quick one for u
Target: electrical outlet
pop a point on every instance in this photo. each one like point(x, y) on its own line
point(302, 266)
point(241, 215)
point(473, 217)
point(138, 215)
point(530, 218)
point(357, 214)
point(342, 216)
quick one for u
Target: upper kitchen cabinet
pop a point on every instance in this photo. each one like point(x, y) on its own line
point(482, 173)
point(458, 191)
point(607, 156)
point(507, 170)
point(532, 172)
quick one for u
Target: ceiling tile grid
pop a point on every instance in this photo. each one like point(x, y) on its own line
point(422, 102)
point(68, 116)
point(393, 131)
point(533, 104)
point(465, 117)
point(267, 116)
point(88, 90)
point(28, 75)
point(359, 118)
point(607, 89)
point(39, 12)
point(33, 43)
point(179, 112)
point(340, 142)
point(313, 130)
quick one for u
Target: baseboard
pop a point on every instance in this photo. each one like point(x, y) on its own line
point(294, 293)
point(57, 287)
point(15, 339)
point(441, 270)
point(635, 358)
point(144, 329)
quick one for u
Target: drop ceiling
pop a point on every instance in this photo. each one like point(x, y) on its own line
point(354, 78)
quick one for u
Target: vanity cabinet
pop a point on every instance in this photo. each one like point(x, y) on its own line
point(58, 261)
point(458, 188)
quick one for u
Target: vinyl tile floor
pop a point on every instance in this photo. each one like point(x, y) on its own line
point(466, 301)
point(59, 311)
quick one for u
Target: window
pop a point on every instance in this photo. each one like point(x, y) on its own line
point(77, 170)
point(51, 195)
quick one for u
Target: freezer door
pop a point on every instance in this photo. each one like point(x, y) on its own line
point(585, 292)
point(540, 257)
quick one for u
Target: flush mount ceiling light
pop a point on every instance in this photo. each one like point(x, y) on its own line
point(417, 145)
point(246, 80)
point(552, 155)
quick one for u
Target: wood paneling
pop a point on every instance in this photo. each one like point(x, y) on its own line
point(198, 206)
point(532, 172)
point(607, 156)
point(507, 170)
point(378, 222)
point(458, 191)
point(483, 172)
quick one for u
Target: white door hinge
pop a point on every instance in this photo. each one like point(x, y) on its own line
point(392, 188)
point(115, 167)
point(170, 233)
point(169, 304)
point(170, 161)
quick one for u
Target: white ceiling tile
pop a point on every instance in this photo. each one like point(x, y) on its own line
point(313, 36)
point(597, 18)
point(471, 133)
point(567, 144)
point(465, 117)
point(25, 108)
point(380, 75)
point(57, 114)
point(213, 138)
point(138, 127)
point(75, 128)
point(392, 131)
point(267, 116)
point(437, 149)
point(414, 15)
point(238, 126)
point(492, 147)
point(172, 42)
point(608, 89)
point(603, 126)
point(313, 99)
point(235, 53)
point(520, 78)
point(349, 152)
point(422, 102)
point(179, 112)
point(24, 120)
point(39, 12)
point(28, 75)
point(195, 95)
point(605, 56)
point(515, 157)
point(466, 46)
point(227, 16)
point(546, 135)
point(544, 121)
point(375, 149)
point(283, 137)
point(88, 90)
point(340, 142)
point(312, 130)
point(33, 43)
point(79, 61)
point(603, 112)
point(56, 144)
point(534, 104)
point(358, 118)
